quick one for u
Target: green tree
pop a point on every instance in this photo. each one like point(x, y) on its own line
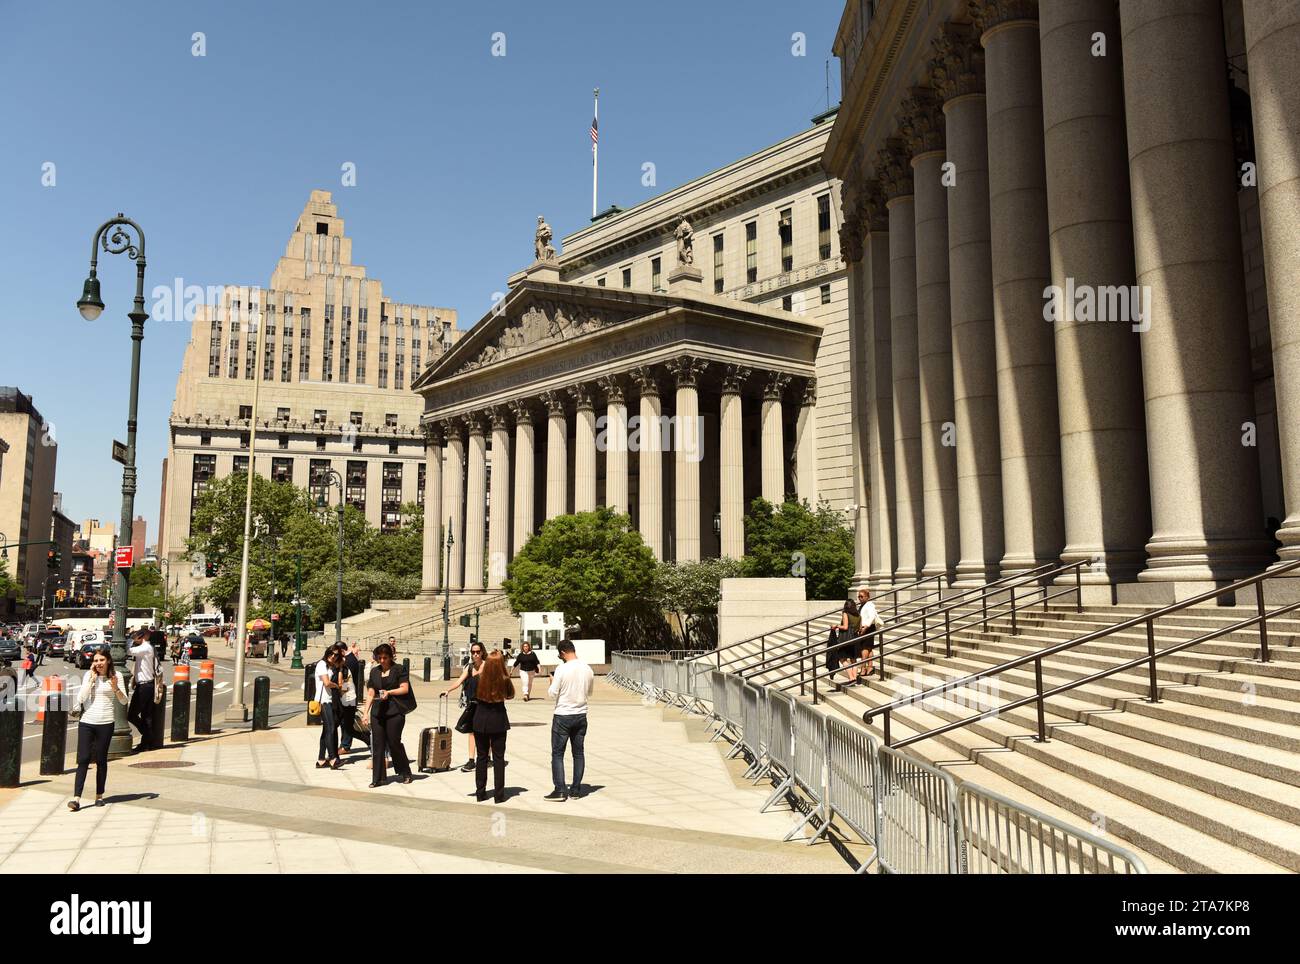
point(146, 587)
point(8, 584)
point(593, 567)
point(795, 540)
point(690, 591)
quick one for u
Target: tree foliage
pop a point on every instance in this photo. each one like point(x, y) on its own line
point(593, 567)
point(795, 540)
point(690, 591)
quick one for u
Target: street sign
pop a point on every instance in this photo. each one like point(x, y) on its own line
point(123, 557)
point(119, 452)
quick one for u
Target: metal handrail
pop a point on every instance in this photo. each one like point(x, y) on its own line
point(1147, 619)
point(1005, 584)
point(811, 619)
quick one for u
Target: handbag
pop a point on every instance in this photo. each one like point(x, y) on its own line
point(466, 722)
point(348, 697)
point(313, 708)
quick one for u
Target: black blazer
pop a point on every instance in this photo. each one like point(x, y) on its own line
point(490, 717)
point(397, 676)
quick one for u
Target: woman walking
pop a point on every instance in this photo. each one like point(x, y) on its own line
point(490, 725)
point(528, 665)
point(469, 680)
point(390, 695)
point(100, 687)
point(331, 677)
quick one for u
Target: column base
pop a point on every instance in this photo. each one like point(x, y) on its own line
point(1289, 536)
point(1102, 568)
point(1013, 565)
point(1208, 561)
point(929, 572)
point(971, 574)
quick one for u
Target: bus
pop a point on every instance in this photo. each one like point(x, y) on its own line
point(70, 619)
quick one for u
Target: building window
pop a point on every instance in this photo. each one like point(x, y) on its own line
point(392, 448)
point(284, 441)
point(243, 440)
point(627, 277)
point(785, 228)
point(826, 294)
point(282, 470)
point(600, 282)
point(241, 465)
point(232, 360)
point(317, 480)
point(354, 418)
point(327, 354)
point(391, 506)
point(245, 412)
point(717, 263)
point(318, 417)
point(282, 415)
point(751, 252)
point(304, 344)
point(823, 227)
point(654, 274)
point(205, 438)
point(205, 468)
point(356, 485)
point(786, 304)
point(390, 420)
point(383, 351)
point(320, 443)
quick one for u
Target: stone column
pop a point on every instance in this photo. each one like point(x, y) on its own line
point(475, 504)
point(773, 440)
point(1272, 52)
point(453, 500)
point(880, 400)
point(431, 568)
point(499, 506)
point(1206, 508)
point(805, 445)
point(894, 168)
point(688, 450)
point(584, 465)
point(958, 75)
point(615, 443)
point(923, 129)
point(1098, 357)
point(732, 457)
point(851, 254)
point(523, 488)
point(557, 455)
point(650, 481)
point(1027, 413)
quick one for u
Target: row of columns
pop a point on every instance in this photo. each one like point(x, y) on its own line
point(995, 441)
point(463, 493)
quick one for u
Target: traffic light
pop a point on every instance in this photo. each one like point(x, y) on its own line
point(51, 559)
point(210, 569)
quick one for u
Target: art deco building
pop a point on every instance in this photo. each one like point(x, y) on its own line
point(338, 364)
point(1142, 158)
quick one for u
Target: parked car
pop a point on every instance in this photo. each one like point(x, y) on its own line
point(56, 646)
point(198, 646)
point(9, 650)
point(85, 653)
point(32, 630)
point(80, 640)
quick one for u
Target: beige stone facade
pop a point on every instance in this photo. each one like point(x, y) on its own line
point(991, 151)
point(26, 489)
point(339, 361)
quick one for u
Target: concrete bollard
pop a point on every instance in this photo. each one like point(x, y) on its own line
point(54, 735)
point(309, 681)
point(181, 710)
point(11, 729)
point(406, 665)
point(262, 703)
point(428, 668)
point(159, 719)
point(203, 698)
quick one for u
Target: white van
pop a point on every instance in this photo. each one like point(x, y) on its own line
point(201, 621)
point(545, 630)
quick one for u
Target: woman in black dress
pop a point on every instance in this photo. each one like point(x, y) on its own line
point(490, 725)
point(389, 692)
point(469, 680)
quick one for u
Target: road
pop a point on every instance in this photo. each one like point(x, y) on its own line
point(284, 686)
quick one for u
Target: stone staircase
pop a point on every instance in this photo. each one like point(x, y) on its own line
point(417, 623)
point(1206, 780)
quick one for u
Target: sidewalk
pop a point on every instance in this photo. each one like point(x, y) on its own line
point(660, 799)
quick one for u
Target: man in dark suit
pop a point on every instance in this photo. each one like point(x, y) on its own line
point(349, 720)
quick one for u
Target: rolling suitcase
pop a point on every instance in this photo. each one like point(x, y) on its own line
point(435, 742)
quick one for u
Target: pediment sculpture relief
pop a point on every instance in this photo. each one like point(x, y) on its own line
point(543, 323)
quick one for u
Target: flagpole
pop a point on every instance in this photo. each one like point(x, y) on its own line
point(595, 148)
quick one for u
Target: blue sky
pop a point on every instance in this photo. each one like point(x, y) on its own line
point(456, 153)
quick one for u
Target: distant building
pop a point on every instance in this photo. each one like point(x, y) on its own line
point(139, 536)
point(62, 532)
point(26, 489)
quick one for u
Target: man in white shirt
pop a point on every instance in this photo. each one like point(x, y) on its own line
point(140, 713)
point(570, 688)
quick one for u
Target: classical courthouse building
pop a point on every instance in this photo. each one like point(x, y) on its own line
point(338, 364)
point(675, 361)
point(1143, 157)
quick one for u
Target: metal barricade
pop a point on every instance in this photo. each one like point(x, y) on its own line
point(656, 667)
point(735, 687)
point(851, 781)
point(1001, 836)
point(753, 732)
point(780, 744)
point(810, 767)
point(919, 825)
point(721, 704)
point(700, 676)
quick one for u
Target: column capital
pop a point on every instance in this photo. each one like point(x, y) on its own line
point(477, 423)
point(434, 435)
point(920, 121)
point(809, 392)
point(581, 394)
point(500, 415)
point(733, 376)
point(686, 369)
point(613, 387)
point(554, 402)
point(522, 411)
point(873, 213)
point(452, 428)
point(647, 381)
point(775, 385)
point(851, 239)
point(958, 65)
point(894, 169)
point(988, 14)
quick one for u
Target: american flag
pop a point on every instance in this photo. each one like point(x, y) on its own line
point(594, 137)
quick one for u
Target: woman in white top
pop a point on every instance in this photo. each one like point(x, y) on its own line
point(100, 687)
point(870, 623)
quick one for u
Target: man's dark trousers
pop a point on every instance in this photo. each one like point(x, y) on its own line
point(140, 713)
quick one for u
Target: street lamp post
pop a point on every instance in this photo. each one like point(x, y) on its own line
point(446, 609)
point(297, 604)
point(331, 477)
point(91, 306)
point(266, 533)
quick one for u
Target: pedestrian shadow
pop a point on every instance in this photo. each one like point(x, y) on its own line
point(510, 793)
point(131, 797)
point(586, 789)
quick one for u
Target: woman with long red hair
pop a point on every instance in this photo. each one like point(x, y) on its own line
point(490, 725)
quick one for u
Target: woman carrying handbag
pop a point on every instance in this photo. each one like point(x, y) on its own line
point(469, 680)
point(390, 696)
point(331, 681)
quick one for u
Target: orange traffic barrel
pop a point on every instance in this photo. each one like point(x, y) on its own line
point(207, 670)
point(182, 672)
point(50, 684)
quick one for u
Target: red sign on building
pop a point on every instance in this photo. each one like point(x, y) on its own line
point(124, 556)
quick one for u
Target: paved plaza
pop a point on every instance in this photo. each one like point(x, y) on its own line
point(660, 798)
